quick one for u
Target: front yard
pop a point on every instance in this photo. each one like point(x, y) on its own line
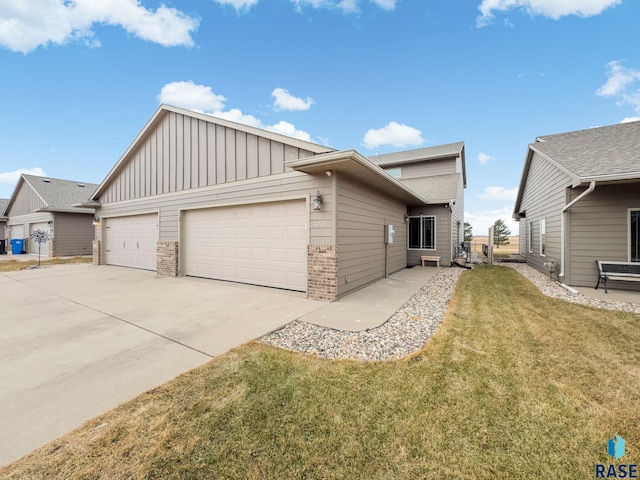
point(514, 385)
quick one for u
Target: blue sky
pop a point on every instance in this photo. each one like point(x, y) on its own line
point(79, 79)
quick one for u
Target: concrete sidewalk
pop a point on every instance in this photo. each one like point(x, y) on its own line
point(373, 305)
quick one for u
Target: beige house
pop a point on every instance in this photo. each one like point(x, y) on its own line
point(201, 196)
point(437, 174)
point(50, 205)
point(579, 201)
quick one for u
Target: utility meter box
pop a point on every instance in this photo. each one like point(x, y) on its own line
point(389, 232)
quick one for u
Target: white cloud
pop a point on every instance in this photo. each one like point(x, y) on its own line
point(481, 220)
point(28, 24)
point(345, 6)
point(238, 4)
point(499, 193)
point(622, 82)
point(12, 177)
point(191, 96)
point(394, 133)
point(484, 158)
point(630, 119)
point(200, 98)
point(554, 9)
point(285, 101)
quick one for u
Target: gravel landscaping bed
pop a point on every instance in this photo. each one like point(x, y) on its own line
point(404, 333)
point(552, 289)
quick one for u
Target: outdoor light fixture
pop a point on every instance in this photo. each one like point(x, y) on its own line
point(317, 202)
point(96, 221)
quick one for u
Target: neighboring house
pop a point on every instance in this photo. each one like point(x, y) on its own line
point(49, 205)
point(205, 197)
point(437, 174)
point(579, 201)
point(3, 220)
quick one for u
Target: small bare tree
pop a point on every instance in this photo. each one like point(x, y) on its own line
point(40, 236)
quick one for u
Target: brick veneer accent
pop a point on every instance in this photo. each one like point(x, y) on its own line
point(322, 276)
point(97, 260)
point(167, 259)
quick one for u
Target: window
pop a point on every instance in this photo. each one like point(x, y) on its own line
point(530, 237)
point(395, 172)
point(634, 235)
point(543, 237)
point(422, 233)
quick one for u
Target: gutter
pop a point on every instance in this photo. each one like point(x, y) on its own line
point(591, 188)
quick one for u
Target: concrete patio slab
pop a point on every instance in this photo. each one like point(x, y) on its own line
point(614, 295)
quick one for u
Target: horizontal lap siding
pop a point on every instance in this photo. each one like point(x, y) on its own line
point(73, 234)
point(272, 188)
point(361, 216)
point(544, 196)
point(599, 230)
point(428, 168)
point(443, 235)
point(184, 153)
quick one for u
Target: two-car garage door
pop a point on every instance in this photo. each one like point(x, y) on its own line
point(261, 244)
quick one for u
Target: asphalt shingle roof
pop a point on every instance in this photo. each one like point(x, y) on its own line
point(3, 206)
point(596, 152)
point(408, 156)
point(436, 189)
point(58, 193)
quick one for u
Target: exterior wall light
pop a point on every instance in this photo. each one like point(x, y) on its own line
point(317, 202)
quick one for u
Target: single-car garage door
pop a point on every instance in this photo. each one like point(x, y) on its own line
point(262, 244)
point(132, 241)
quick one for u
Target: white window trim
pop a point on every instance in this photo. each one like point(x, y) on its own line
point(543, 222)
point(629, 210)
point(435, 233)
point(530, 236)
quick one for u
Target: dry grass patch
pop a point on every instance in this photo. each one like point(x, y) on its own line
point(514, 385)
point(14, 265)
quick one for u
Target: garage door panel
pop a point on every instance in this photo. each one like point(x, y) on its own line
point(261, 244)
point(132, 241)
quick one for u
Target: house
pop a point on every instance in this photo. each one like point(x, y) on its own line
point(437, 174)
point(49, 205)
point(579, 201)
point(201, 196)
point(3, 224)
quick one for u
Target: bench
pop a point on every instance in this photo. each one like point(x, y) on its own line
point(430, 258)
point(620, 271)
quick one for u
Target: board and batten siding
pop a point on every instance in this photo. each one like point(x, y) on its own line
point(544, 196)
point(361, 216)
point(273, 188)
point(443, 235)
point(598, 229)
point(73, 234)
point(25, 202)
point(185, 153)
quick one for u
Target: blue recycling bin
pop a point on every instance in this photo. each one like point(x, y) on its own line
point(17, 245)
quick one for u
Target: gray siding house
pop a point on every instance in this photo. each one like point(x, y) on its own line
point(50, 205)
point(579, 201)
point(201, 196)
point(437, 174)
point(3, 219)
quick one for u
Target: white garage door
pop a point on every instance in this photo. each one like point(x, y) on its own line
point(132, 241)
point(17, 231)
point(44, 246)
point(262, 244)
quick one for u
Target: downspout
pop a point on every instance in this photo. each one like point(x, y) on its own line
point(592, 186)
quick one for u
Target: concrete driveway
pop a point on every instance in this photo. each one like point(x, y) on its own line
point(78, 340)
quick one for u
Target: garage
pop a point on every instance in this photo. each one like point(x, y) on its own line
point(131, 241)
point(44, 246)
point(17, 231)
point(261, 244)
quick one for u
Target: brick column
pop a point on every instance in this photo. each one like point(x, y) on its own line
point(322, 272)
point(167, 259)
point(97, 257)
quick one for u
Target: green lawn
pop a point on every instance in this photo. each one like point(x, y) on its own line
point(514, 385)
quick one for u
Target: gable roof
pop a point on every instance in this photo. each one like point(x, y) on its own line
point(437, 152)
point(163, 110)
point(3, 207)
point(610, 153)
point(58, 195)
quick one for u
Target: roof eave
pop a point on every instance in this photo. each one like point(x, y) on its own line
point(369, 173)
